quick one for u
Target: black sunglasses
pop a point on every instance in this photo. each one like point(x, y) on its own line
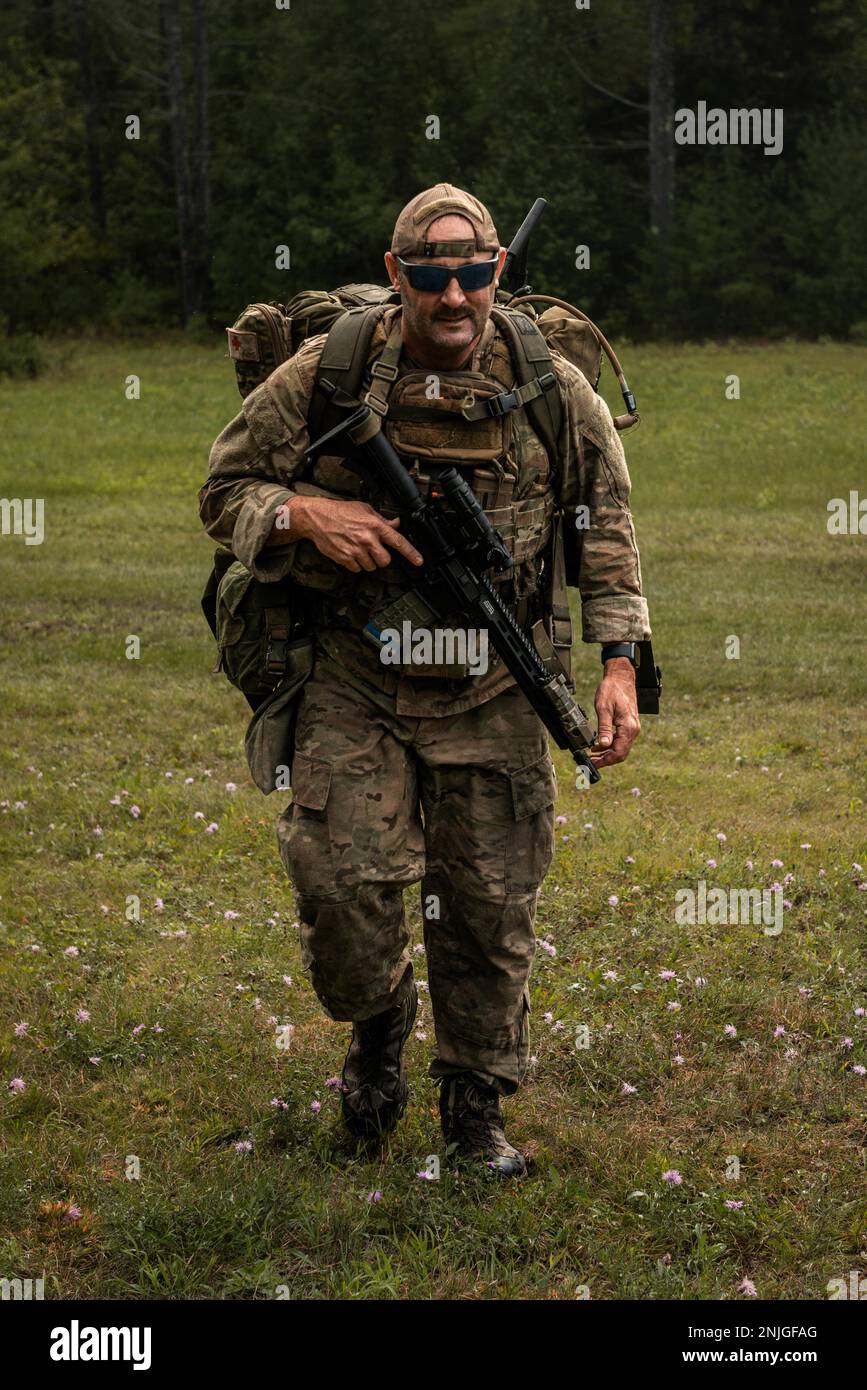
point(433, 279)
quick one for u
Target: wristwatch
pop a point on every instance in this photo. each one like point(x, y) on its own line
point(627, 649)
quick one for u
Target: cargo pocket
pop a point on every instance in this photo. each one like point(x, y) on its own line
point(309, 853)
point(494, 1027)
point(311, 782)
point(530, 841)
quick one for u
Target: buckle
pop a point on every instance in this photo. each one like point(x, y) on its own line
point(383, 370)
point(547, 381)
point(501, 405)
point(276, 656)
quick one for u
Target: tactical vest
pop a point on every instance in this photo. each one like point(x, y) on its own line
point(487, 425)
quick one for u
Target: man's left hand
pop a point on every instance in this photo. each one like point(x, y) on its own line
point(617, 712)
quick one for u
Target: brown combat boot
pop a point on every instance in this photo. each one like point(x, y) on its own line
point(471, 1118)
point(375, 1086)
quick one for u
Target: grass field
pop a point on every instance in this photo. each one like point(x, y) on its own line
point(149, 1049)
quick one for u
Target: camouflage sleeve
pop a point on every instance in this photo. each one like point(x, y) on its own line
point(594, 488)
point(253, 462)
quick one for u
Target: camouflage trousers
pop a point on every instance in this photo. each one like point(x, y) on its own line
point(462, 804)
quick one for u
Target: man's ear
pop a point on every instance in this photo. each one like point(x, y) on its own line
point(392, 271)
point(501, 256)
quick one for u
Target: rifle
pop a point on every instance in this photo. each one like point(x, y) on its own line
point(458, 546)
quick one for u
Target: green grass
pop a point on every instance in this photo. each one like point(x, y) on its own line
point(731, 506)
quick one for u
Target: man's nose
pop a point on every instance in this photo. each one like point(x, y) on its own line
point(453, 296)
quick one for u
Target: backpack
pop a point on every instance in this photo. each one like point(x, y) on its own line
point(266, 334)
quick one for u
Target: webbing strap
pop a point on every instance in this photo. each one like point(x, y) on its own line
point(507, 401)
point(532, 360)
point(342, 364)
point(384, 372)
point(423, 414)
point(524, 526)
point(561, 618)
point(277, 630)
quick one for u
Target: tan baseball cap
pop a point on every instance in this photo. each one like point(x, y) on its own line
point(411, 226)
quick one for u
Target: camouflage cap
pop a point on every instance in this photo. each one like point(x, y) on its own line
point(411, 226)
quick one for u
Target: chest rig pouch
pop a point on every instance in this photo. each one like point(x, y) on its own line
point(430, 432)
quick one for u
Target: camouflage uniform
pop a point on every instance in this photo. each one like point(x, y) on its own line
point(401, 775)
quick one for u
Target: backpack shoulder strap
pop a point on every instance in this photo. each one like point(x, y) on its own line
point(537, 384)
point(342, 364)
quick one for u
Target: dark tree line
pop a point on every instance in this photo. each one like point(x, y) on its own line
point(305, 127)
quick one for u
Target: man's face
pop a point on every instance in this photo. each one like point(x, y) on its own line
point(454, 319)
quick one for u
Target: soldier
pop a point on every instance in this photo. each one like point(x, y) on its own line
point(404, 773)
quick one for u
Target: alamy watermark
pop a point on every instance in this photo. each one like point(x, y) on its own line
point(856, 1288)
point(847, 518)
point(23, 516)
point(737, 126)
point(733, 907)
point(22, 1290)
point(439, 646)
point(77, 1343)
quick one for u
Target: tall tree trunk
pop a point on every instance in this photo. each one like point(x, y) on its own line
point(661, 138)
point(47, 27)
point(91, 119)
point(171, 24)
point(202, 154)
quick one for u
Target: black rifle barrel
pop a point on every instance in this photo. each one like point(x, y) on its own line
point(514, 273)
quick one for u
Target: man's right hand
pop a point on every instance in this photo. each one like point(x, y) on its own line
point(350, 533)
